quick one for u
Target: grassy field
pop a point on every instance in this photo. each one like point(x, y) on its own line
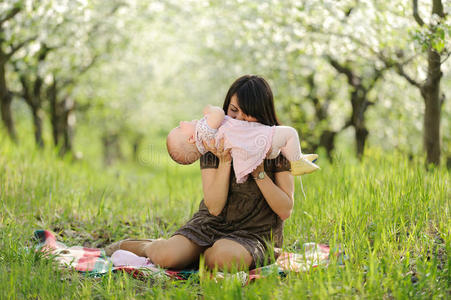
point(390, 215)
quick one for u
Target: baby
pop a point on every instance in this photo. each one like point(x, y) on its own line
point(250, 143)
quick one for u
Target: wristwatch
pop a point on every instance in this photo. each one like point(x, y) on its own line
point(260, 176)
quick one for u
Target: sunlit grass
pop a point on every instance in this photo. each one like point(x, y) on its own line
point(389, 214)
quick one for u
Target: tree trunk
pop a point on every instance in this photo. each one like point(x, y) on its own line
point(54, 114)
point(37, 125)
point(431, 95)
point(33, 100)
point(327, 140)
point(359, 106)
point(359, 101)
point(5, 105)
point(67, 125)
point(137, 141)
point(7, 117)
point(111, 148)
point(361, 133)
point(62, 118)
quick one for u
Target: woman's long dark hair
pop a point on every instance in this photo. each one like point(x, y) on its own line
point(255, 99)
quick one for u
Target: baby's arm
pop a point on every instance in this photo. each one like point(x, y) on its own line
point(215, 115)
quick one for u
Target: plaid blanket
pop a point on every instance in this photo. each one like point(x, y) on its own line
point(94, 262)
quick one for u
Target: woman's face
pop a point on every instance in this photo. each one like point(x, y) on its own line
point(234, 111)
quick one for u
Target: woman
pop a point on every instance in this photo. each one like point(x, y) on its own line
point(236, 222)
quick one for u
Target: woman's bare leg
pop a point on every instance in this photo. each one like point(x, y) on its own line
point(136, 247)
point(227, 254)
point(176, 252)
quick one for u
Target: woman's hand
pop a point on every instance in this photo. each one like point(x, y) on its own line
point(223, 155)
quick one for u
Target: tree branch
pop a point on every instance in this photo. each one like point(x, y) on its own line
point(25, 90)
point(90, 64)
point(400, 70)
point(81, 71)
point(448, 54)
point(416, 15)
point(352, 38)
point(342, 69)
point(23, 81)
point(97, 25)
point(437, 8)
point(312, 95)
point(378, 74)
point(16, 94)
point(14, 49)
point(399, 67)
point(10, 15)
point(44, 51)
point(41, 56)
point(374, 80)
point(346, 125)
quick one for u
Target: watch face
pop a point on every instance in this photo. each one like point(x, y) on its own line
point(261, 175)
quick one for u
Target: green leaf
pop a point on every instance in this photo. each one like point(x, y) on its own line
point(438, 45)
point(440, 33)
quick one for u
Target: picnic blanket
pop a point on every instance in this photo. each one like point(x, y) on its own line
point(94, 262)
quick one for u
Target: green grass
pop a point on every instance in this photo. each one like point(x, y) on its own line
point(390, 215)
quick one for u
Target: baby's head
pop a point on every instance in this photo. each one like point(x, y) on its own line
point(181, 143)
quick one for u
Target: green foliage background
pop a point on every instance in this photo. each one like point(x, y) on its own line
point(159, 62)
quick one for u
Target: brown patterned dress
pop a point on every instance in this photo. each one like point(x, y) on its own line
point(246, 217)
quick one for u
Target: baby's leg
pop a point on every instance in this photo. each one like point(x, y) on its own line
point(286, 140)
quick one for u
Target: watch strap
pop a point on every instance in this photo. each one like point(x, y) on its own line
point(260, 176)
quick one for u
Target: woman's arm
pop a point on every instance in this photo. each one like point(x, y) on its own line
point(279, 194)
point(215, 182)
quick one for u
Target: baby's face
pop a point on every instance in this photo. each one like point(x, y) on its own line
point(185, 131)
point(181, 143)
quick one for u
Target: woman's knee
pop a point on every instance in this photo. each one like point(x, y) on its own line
point(160, 254)
point(227, 255)
point(176, 252)
point(212, 258)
